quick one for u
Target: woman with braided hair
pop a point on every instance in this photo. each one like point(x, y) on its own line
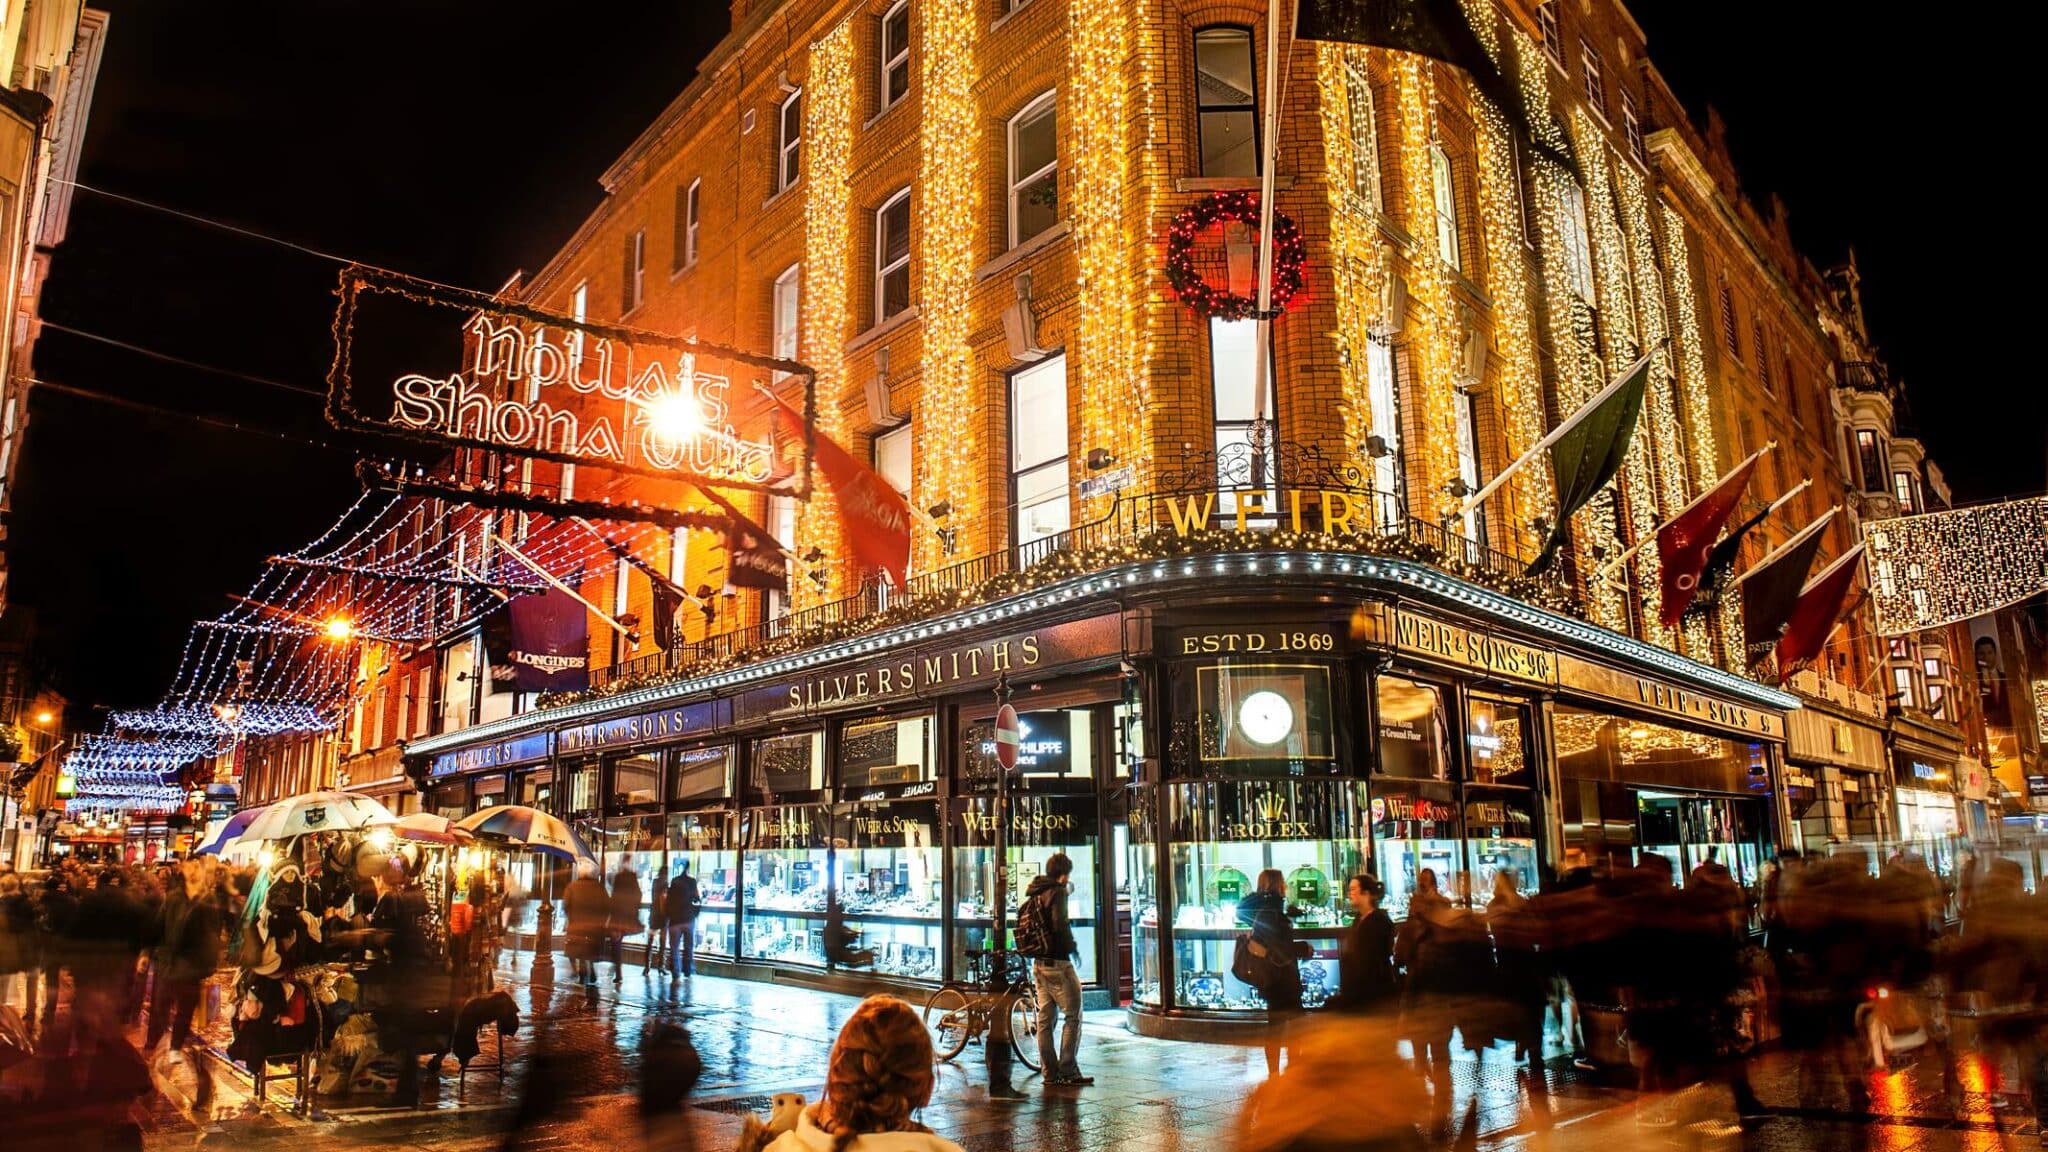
point(880, 1076)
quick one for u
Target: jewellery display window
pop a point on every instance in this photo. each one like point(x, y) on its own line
point(1415, 828)
point(703, 842)
point(785, 879)
point(583, 795)
point(1039, 826)
point(634, 781)
point(635, 842)
point(886, 750)
point(1261, 716)
point(1500, 836)
point(1497, 750)
point(1220, 836)
point(699, 774)
point(790, 762)
point(1141, 889)
point(888, 869)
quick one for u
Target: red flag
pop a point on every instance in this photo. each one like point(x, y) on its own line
point(875, 516)
point(1685, 539)
point(1820, 605)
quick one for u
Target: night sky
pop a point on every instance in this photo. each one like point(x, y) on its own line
point(463, 141)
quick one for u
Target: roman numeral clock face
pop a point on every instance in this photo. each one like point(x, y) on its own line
point(1265, 717)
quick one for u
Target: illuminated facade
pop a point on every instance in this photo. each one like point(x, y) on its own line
point(1247, 631)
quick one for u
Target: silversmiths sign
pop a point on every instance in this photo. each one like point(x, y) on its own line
point(1455, 644)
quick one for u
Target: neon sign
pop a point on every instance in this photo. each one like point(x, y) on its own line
point(536, 384)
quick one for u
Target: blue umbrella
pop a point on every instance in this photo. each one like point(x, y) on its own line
point(529, 828)
point(230, 830)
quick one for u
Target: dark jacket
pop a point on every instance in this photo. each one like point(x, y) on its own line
point(682, 900)
point(1059, 937)
point(624, 916)
point(657, 903)
point(583, 909)
point(20, 949)
point(1265, 913)
point(1365, 966)
point(189, 941)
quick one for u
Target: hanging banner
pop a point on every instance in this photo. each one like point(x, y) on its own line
point(550, 642)
point(460, 369)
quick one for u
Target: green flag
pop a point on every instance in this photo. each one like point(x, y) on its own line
point(1587, 452)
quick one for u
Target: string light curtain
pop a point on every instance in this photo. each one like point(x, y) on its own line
point(828, 252)
point(1357, 253)
point(956, 435)
point(1944, 567)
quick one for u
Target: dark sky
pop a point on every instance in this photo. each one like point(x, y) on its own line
point(462, 141)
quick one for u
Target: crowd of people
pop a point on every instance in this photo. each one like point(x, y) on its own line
point(598, 922)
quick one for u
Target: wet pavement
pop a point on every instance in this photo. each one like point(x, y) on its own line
point(758, 1039)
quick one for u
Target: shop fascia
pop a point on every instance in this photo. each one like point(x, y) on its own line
point(769, 689)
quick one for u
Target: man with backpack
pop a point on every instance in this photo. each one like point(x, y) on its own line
point(1045, 934)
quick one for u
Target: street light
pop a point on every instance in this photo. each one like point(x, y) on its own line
point(45, 716)
point(339, 628)
point(674, 416)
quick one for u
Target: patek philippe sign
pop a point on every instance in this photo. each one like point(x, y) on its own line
point(1451, 643)
point(542, 385)
point(930, 671)
point(624, 730)
point(503, 753)
point(1043, 743)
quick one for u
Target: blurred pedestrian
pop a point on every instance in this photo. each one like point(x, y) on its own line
point(405, 977)
point(1345, 1087)
point(681, 904)
point(190, 943)
point(657, 925)
point(622, 919)
point(55, 911)
point(1524, 980)
point(879, 1075)
point(1271, 923)
point(669, 1069)
point(1365, 962)
point(20, 944)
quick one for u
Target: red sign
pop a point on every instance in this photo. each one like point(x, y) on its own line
point(1008, 735)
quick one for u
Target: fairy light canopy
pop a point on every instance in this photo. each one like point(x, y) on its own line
point(1944, 567)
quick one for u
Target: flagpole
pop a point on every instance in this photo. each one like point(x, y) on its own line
point(1269, 149)
point(1557, 433)
point(631, 557)
point(544, 574)
point(1639, 545)
point(1802, 534)
point(1795, 490)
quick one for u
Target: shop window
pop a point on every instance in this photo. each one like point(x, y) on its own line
point(582, 788)
point(487, 792)
point(1226, 102)
point(892, 256)
point(888, 870)
point(636, 844)
point(1040, 825)
point(702, 842)
point(789, 141)
point(792, 762)
point(701, 773)
point(1414, 730)
point(1034, 169)
point(450, 800)
point(1497, 743)
point(1417, 842)
point(1500, 840)
point(537, 790)
point(889, 750)
point(1053, 744)
point(1038, 452)
point(1444, 192)
point(894, 81)
point(635, 780)
point(1264, 714)
point(787, 884)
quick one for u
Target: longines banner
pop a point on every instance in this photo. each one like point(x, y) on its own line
point(931, 671)
point(445, 366)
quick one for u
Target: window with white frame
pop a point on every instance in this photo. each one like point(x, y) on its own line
point(1365, 145)
point(785, 313)
point(1038, 452)
point(1902, 686)
point(1226, 101)
point(789, 141)
point(1870, 459)
point(1595, 83)
point(1446, 203)
point(1632, 128)
point(678, 555)
point(1903, 488)
point(892, 458)
point(633, 271)
point(579, 310)
point(684, 251)
point(894, 82)
point(892, 256)
point(1553, 37)
point(1034, 169)
point(1233, 383)
point(782, 526)
point(1384, 448)
point(622, 592)
point(1578, 247)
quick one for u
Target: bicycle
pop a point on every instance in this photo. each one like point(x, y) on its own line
point(962, 1011)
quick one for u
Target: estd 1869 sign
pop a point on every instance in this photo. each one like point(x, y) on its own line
point(536, 384)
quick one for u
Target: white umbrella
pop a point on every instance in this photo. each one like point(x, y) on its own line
point(429, 828)
point(316, 812)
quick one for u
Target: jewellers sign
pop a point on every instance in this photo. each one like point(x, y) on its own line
point(534, 384)
point(503, 753)
point(1455, 644)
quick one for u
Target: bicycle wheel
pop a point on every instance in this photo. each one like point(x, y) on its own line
point(949, 1020)
point(1024, 1030)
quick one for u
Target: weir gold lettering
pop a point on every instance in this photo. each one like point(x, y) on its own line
point(915, 675)
point(984, 823)
point(1666, 698)
point(1473, 649)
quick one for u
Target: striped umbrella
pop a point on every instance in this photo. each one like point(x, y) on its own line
point(230, 830)
point(316, 812)
point(428, 828)
point(529, 828)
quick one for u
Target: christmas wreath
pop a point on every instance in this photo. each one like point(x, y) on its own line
point(1290, 255)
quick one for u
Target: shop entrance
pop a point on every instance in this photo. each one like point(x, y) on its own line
point(1690, 831)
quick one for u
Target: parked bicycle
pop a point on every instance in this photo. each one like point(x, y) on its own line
point(961, 1012)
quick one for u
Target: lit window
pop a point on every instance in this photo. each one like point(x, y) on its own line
point(789, 141)
point(1932, 666)
point(781, 525)
point(1632, 127)
point(1038, 452)
point(579, 310)
point(1595, 84)
point(633, 271)
point(1896, 648)
point(1365, 155)
point(1466, 410)
point(1034, 169)
point(895, 55)
point(1233, 372)
point(785, 314)
point(1226, 105)
point(622, 591)
point(1934, 698)
point(1902, 487)
point(1902, 687)
point(685, 253)
point(892, 256)
point(1446, 194)
point(1870, 460)
point(892, 458)
point(1553, 39)
point(1385, 447)
point(1578, 247)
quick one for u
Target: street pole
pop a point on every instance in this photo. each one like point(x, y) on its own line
point(1262, 347)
